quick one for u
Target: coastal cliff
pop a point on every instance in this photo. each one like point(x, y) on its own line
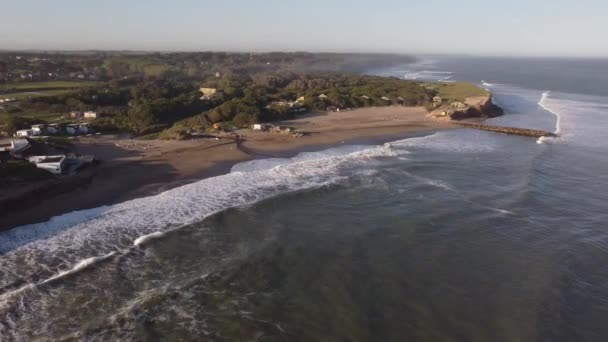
point(478, 107)
point(471, 108)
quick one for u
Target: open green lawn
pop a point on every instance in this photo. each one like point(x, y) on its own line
point(49, 84)
point(30, 94)
point(45, 116)
point(457, 91)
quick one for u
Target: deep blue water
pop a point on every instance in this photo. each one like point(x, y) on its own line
point(458, 236)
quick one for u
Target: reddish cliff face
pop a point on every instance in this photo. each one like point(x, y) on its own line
point(477, 107)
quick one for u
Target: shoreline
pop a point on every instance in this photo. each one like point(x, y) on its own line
point(133, 168)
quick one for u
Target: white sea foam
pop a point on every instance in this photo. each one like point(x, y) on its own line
point(146, 238)
point(457, 141)
point(428, 75)
point(580, 118)
point(543, 104)
point(75, 241)
point(80, 266)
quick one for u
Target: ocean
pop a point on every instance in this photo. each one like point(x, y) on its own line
point(459, 235)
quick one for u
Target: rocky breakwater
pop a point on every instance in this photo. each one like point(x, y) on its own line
point(474, 110)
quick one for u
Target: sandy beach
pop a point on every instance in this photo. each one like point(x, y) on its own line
point(133, 168)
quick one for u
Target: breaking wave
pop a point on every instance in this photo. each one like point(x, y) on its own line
point(46, 252)
point(544, 105)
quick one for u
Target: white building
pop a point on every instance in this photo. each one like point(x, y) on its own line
point(18, 147)
point(90, 115)
point(24, 133)
point(259, 127)
point(38, 129)
point(52, 164)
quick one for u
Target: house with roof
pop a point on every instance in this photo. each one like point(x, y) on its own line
point(18, 147)
point(85, 129)
point(53, 129)
point(39, 129)
point(91, 115)
point(323, 97)
point(72, 129)
point(24, 133)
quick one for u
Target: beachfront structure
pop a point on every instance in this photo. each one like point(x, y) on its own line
point(38, 129)
point(52, 164)
point(260, 127)
point(24, 133)
point(91, 115)
point(386, 98)
point(53, 129)
point(75, 115)
point(18, 147)
point(71, 129)
point(437, 99)
point(85, 129)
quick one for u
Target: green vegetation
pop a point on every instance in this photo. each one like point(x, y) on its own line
point(48, 84)
point(457, 91)
point(247, 101)
point(147, 94)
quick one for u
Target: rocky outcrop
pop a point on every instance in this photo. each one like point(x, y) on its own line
point(480, 107)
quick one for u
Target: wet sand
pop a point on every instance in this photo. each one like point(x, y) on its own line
point(136, 168)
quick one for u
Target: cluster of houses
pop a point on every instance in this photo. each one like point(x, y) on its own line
point(59, 129)
point(55, 129)
point(86, 115)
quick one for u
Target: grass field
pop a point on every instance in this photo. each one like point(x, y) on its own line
point(44, 116)
point(48, 85)
point(36, 89)
point(29, 94)
point(457, 91)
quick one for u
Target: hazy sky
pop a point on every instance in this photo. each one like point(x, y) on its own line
point(506, 27)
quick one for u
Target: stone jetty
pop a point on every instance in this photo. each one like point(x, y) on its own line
point(534, 133)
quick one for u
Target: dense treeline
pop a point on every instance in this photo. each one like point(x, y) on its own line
point(150, 105)
point(144, 93)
